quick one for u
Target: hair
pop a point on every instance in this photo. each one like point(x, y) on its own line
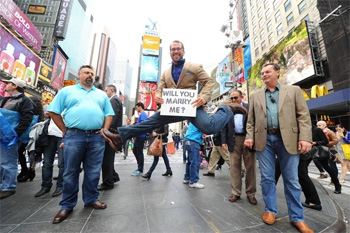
point(177, 41)
point(239, 92)
point(38, 108)
point(140, 104)
point(322, 123)
point(20, 89)
point(341, 126)
point(85, 66)
point(274, 65)
point(112, 87)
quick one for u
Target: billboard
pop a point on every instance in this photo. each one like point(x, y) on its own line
point(149, 69)
point(59, 63)
point(294, 56)
point(238, 66)
point(150, 45)
point(37, 9)
point(62, 19)
point(45, 71)
point(17, 59)
point(19, 21)
point(146, 95)
point(223, 75)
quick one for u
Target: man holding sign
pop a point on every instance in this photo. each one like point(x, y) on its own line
point(182, 76)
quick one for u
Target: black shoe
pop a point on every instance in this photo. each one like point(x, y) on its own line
point(57, 192)
point(21, 174)
point(4, 194)
point(28, 176)
point(208, 174)
point(147, 176)
point(218, 167)
point(168, 173)
point(312, 206)
point(116, 178)
point(42, 192)
point(55, 178)
point(337, 192)
point(102, 187)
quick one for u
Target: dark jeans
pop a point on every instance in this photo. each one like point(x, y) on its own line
point(22, 157)
point(156, 159)
point(108, 166)
point(49, 158)
point(307, 186)
point(138, 152)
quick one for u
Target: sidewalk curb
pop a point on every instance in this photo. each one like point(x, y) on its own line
point(339, 225)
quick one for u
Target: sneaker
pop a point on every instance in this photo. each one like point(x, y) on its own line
point(197, 185)
point(323, 176)
point(137, 173)
point(186, 181)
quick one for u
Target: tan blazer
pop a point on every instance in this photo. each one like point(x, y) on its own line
point(190, 75)
point(293, 118)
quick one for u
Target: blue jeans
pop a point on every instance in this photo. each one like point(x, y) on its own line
point(193, 162)
point(289, 168)
point(206, 123)
point(49, 158)
point(184, 157)
point(156, 159)
point(138, 152)
point(87, 148)
point(9, 168)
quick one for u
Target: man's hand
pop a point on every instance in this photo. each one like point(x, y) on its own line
point(198, 102)
point(304, 147)
point(224, 146)
point(61, 145)
point(159, 100)
point(249, 143)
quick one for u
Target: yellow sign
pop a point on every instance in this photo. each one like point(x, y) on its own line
point(317, 91)
point(151, 44)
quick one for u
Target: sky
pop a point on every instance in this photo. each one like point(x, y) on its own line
point(196, 23)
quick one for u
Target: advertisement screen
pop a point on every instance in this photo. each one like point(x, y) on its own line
point(150, 45)
point(147, 93)
point(45, 71)
point(58, 69)
point(17, 59)
point(149, 69)
point(223, 75)
point(293, 54)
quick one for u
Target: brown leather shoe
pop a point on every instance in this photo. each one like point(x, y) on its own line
point(302, 227)
point(269, 218)
point(114, 140)
point(234, 198)
point(236, 108)
point(97, 205)
point(252, 200)
point(61, 215)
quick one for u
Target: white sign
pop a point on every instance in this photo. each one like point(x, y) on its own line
point(177, 102)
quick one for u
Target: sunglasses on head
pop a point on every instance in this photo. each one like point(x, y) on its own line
point(234, 97)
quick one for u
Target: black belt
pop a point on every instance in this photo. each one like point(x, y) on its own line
point(273, 131)
point(240, 134)
point(85, 131)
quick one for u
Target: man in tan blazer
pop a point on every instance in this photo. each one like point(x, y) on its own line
point(183, 75)
point(279, 124)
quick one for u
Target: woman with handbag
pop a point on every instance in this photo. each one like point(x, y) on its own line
point(343, 147)
point(162, 131)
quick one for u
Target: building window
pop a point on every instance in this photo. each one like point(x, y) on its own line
point(267, 13)
point(287, 5)
point(256, 52)
point(263, 45)
point(269, 26)
point(266, 3)
point(261, 22)
point(277, 16)
point(307, 18)
point(259, 12)
point(255, 41)
point(275, 4)
point(279, 29)
point(252, 10)
point(255, 30)
point(271, 37)
point(290, 18)
point(302, 6)
point(262, 34)
point(253, 20)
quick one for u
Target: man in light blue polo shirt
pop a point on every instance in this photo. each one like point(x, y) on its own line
point(86, 110)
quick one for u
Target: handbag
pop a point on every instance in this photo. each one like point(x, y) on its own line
point(346, 151)
point(156, 148)
point(319, 152)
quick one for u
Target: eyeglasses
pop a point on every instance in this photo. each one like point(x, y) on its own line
point(272, 99)
point(234, 97)
point(176, 49)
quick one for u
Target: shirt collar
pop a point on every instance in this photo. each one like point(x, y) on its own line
point(179, 63)
point(276, 87)
point(81, 87)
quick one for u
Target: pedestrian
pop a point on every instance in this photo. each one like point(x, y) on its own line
point(182, 75)
point(343, 137)
point(184, 130)
point(234, 134)
point(22, 107)
point(192, 142)
point(162, 131)
point(279, 124)
point(86, 110)
point(139, 140)
point(127, 142)
point(109, 175)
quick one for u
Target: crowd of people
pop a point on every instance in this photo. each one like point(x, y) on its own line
point(83, 127)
